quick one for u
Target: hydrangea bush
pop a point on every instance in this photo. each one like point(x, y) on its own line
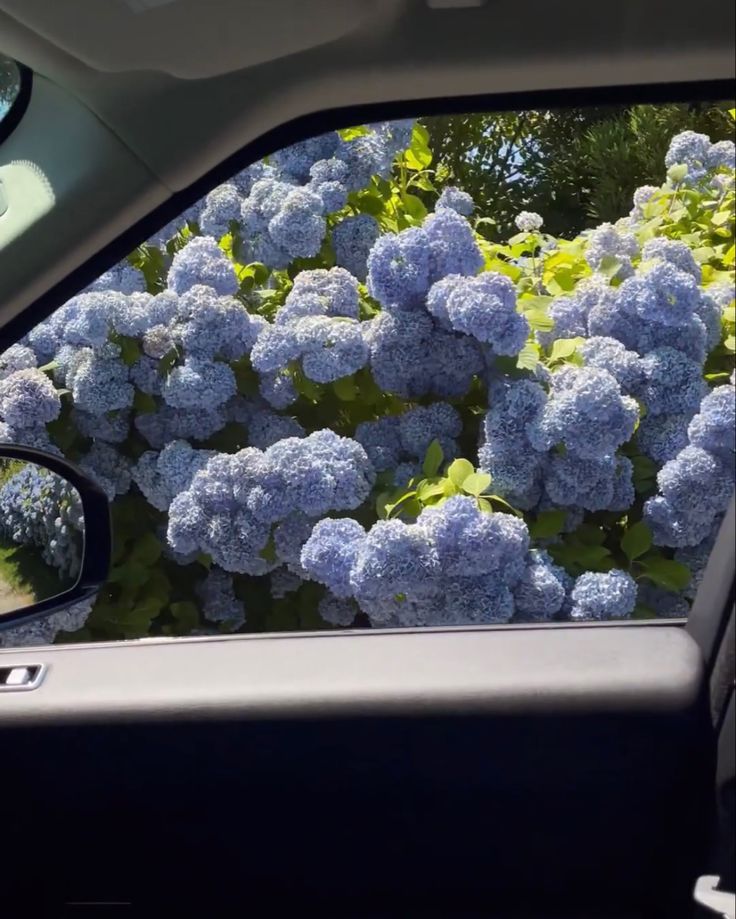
point(322, 399)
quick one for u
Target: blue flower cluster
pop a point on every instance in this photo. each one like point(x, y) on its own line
point(455, 565)
point(317, 327)
point(40, 509)
point(229, 509)
point(219, 603)
point(696, 484)
point(400, 442)
point(190, 349)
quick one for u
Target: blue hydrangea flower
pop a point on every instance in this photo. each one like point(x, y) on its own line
point(113, 428)
point(515, 407)
point(609, 354)
point(691, 149)
point(202, 261)
point(540, 593)
point(398, 269)
point(396, 564)
point(642, 196)
point(289, 537)
point(213, 325)
point(266, 428)
point(452, 244)
point(381, 441)
point(714, 427)
point(330, 552)
point(516, 471)
point(608, 242)
point(162, 476)
point(108, 467)
point(277, 389)
point(484, 307)
point(604, 595)
point(673, 383)
point(419, 426)
point(721, 155)
point(352, 239)
point(576, 482)
point(411, 358)
point(122, 278)
point(528, 222)
point(99, 380)
point(472, 601)
point(587, 413)
point(167, 424)
point(221, 209)
point(199, 383)
point(219, 603)
point(675, 252)
point(694, 488)
point(297, 159)
point(661, 437)
point(665, 604)
point(321, 292)
point(365, 156)
point(337, 611)
point(470, 542)
point(299, 226)
point(570, 313)
point(330, 348)
point(455, 199)
point(276, 347)
point(28, 399)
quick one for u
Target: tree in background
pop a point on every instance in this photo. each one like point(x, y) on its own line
point(578, 167)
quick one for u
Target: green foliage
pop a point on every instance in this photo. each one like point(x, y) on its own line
point(576, 167)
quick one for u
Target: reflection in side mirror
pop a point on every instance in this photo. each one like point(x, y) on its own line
point(41, 535)
point(54, 534)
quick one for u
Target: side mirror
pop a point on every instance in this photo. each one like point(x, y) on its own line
point(55, 535)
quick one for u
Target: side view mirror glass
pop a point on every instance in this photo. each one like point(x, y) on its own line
point(54, 534)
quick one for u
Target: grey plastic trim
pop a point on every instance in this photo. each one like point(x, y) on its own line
point(714, 599)
point(574, 669)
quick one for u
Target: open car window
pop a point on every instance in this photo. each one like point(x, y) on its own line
point(444, 371)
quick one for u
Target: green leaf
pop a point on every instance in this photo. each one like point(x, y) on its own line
point(268, 552)
point(665, 572)
point(143, 403)
point(459, 470)
point(433, 459)
point(564, 348)
point(129, 349)
point(414, 206)
point(677, 173)
point(186, 615)
point(476, 483)
point(352, 133)
point(529, 356)
point(146, 550)
point(547, 524)
point(345, 389)
point(641, 611)
point(539, 320)
point(485, 505)
point(429, 490)
point(168, 362)
point(392, 505)
point(609, 266)
point(636, 540)
point(497, 499)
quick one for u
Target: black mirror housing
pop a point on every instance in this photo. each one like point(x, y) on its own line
point(95, 514)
